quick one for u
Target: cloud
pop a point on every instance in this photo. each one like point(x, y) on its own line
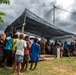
point(63, 20)
point(15, 9)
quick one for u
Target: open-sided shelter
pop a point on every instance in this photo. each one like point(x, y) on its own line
point(36, 25)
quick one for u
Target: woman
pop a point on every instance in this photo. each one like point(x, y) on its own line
point(35, 53)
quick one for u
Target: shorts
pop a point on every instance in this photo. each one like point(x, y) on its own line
point(26, 58)
point(19, 58)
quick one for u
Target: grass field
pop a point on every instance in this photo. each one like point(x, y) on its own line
point(63, 66)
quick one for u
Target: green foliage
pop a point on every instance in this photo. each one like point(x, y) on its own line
point(4, 2)
point(1, 19)
point(1, 13)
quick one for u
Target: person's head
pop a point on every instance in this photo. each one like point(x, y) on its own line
point(65, 42)
point(3, 36)
point(35, 39)
point(21, 36)
point(71, 43)
point(27, 38)
point(15, 36)
point(9, 34)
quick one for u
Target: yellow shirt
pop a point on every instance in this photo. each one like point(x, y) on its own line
point(14, 44)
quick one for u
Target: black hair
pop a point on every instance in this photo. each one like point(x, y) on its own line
point(35, 40)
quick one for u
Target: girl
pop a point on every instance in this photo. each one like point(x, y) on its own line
point(35, 53)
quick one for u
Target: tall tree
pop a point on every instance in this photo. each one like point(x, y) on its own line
point(2, 13)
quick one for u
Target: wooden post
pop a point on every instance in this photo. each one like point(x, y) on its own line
point(23, 25)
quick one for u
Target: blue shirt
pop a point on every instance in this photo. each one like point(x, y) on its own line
point(65, 46)
point(8, 46)
point(35, 52)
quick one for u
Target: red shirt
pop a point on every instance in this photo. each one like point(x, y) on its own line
point(27, 49)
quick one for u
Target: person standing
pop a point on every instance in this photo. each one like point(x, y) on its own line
point(71, 48)
point(61, 50)
point(20, 45)
point(66, 48)
point(74, 52)
point(1, 47)
point(8, 50)
point(15, 39)
point(35, 53)
point(43, 45)
point(27, 53)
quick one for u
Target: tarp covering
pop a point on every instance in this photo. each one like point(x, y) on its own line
point(36, 25)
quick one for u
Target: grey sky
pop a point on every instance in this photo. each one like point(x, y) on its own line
point(64, 20)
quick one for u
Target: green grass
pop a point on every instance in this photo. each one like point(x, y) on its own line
point(63, 66)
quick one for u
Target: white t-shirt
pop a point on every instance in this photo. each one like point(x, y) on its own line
point(20, 47)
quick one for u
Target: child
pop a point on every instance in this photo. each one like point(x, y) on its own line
point(27, 53)
point(35, 53)
point(21, 45)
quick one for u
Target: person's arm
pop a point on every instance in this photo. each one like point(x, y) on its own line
point(73, 38)
point(25, 45)
point(7, 41)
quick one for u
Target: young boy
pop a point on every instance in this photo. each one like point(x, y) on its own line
point(21, 45)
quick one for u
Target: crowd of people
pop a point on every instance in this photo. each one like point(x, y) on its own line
point(66, 50)
point(17, 51)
